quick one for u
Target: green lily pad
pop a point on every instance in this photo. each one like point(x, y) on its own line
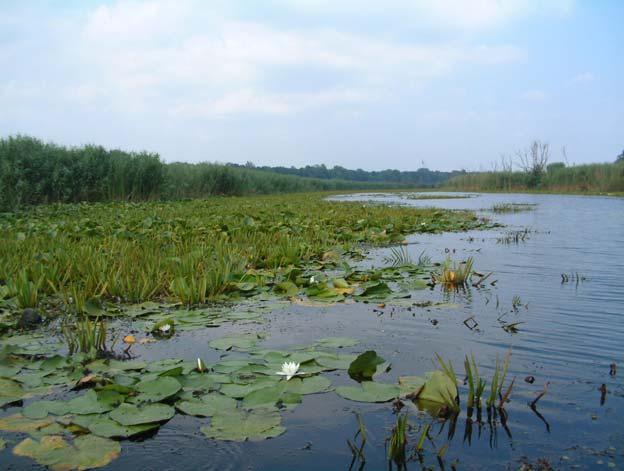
point(108, 428)
point(19, 423)
point(10, 391)
point(91, 403)
point(438, 387)
point(158, 389)
point(265, 397)
point(236, 342)
point(41, 409)
point(308, 385)
point(128, 414)
point(207, 406)
point(369, 391)
point(376, 290)
point(335, 362)
point(337, 342)
point(2, 444)
point(239, 425)
point(411, 384)
point(365, 366)
point(86, 452)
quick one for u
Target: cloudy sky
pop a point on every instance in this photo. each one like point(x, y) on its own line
point(370, 84)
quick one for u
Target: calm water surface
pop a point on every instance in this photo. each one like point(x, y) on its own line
point(568, 335)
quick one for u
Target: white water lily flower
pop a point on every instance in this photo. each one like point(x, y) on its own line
point(289, 369)
point(165, 328)
point(312, 280)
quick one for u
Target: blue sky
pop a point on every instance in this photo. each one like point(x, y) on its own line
point(448, 83)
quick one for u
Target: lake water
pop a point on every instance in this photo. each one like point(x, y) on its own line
point(568, 334)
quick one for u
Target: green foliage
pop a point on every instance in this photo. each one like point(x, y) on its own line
point(33, 172)
point(591, 178)
point(197, 251)
point(84, 335)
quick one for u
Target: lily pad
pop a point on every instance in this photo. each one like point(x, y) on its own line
point(19, 423)
point(309, 385)
point(236, 342)
point(108, 428)
point(128, 414)
point(335, 362)
point(41, 409)
point(158, 389)
point(411, 385)
point(239, 425)
point(365, 366)
point(369, 391)
point(10, 391)
point(92, 403)
point(86, 452)
point(438, 386)
point(2, 444)
point(265, 397)
point(207, 406)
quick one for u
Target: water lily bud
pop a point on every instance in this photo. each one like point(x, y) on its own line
point(201, 366)
point(129, 339)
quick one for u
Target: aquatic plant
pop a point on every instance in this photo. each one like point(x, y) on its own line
point(84, 335)
point(399, 256)
point(24, 289)
point(512, 207)
point(358, 451)
point(290, 369)
point(398, 440)
point(454, 274)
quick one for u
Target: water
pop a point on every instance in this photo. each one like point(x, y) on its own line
point(568, 335)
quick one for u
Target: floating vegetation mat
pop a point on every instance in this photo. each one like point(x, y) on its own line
point(245, 394)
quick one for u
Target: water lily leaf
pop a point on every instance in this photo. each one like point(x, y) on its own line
point(41, 409)
point(2, 444)
point(365, 366)
point(108, 428)
point(207, 406)
point(52, 429)
point(158, 389)
point(237, 342)
point(90, 403)
point(239, 425)
point(335, 362)
point(199, 382)
point(128, 414)
point(10, 391)
point(86, 452)
point(411, 384)
point(287, 288)
point(19, 423)
point(265, 397)
point(163, 365)
point(369, 391)
point(239, 391)
point(438, 387)
point(376, 290)
point(337, 342)
point(309, 385)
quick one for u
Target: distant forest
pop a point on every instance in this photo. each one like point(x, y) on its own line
point(422, 178)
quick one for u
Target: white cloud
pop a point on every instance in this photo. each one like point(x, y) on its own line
point(184, 56)
point(584, 77)
point(468, 15)
point(534, 95)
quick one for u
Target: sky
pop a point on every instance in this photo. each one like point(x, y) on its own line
point(446, 84)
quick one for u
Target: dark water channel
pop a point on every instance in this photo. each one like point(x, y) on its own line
point(568, 334)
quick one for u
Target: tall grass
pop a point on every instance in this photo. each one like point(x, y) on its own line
point(597, 178)
point(33, 172)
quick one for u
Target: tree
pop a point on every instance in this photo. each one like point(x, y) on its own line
point(620, 158)
point(533, 161)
